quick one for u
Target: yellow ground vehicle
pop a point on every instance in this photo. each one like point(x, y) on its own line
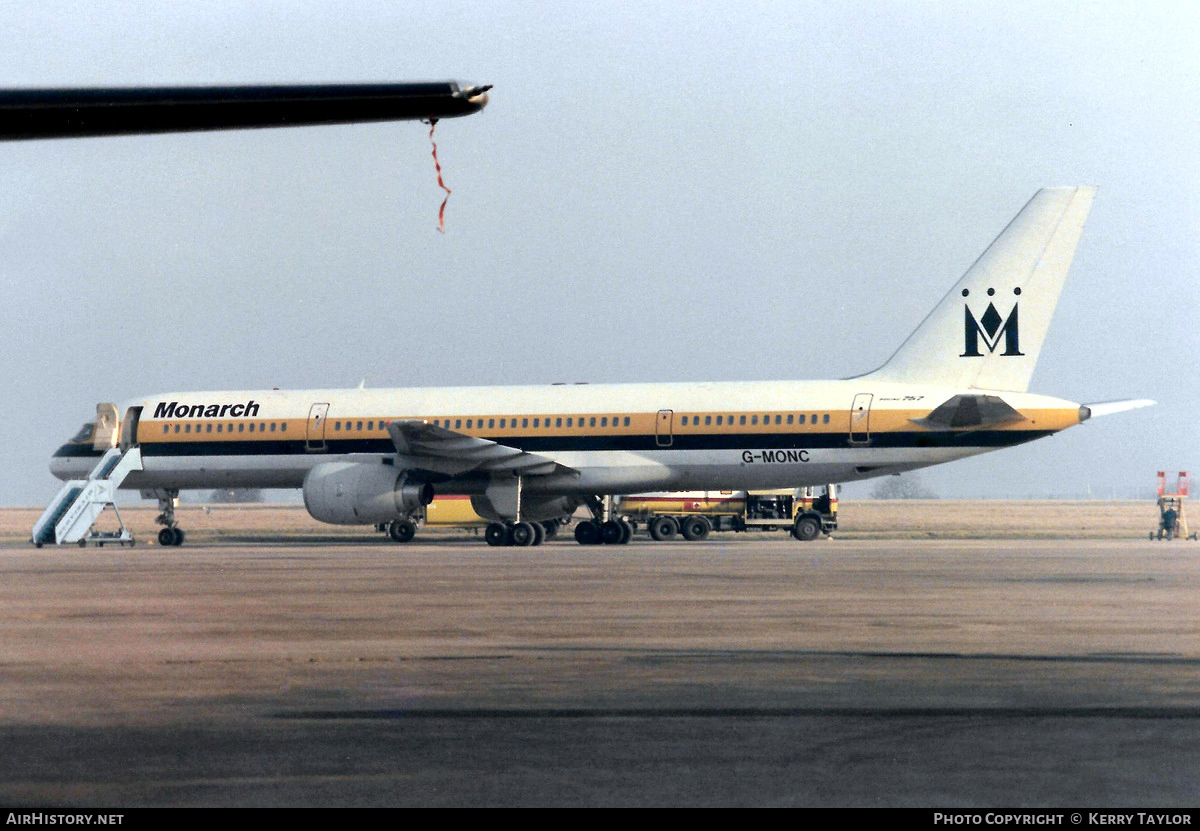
point(803, 512)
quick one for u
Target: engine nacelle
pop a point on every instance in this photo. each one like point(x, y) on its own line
point(533, 509)
point(362, 493)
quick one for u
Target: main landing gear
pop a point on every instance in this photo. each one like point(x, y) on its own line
point(601, 531)
point(171, 533)
point(519, 533)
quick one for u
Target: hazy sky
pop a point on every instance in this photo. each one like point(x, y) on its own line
point(657, 192)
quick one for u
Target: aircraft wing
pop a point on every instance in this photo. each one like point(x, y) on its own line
point(424, 446)
point(77, 112)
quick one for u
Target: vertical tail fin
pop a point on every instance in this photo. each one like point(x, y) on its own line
point(987, 332)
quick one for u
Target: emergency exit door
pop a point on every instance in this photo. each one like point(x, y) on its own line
point(664, 427)
point(315, 434)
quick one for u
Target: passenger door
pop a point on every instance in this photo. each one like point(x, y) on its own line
point(860, 419)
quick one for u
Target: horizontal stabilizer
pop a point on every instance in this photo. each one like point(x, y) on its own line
point(1109, 407)
point(969, 411)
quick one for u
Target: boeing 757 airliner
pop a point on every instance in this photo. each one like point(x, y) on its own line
point(955, 388)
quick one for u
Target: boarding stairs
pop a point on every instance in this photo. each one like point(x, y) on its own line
point(70, 517)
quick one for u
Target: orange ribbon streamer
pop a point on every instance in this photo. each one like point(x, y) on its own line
point(441, 211)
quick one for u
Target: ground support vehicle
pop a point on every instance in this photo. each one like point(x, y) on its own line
point(804, 512)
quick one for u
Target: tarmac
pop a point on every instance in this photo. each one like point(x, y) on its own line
point(742, 671)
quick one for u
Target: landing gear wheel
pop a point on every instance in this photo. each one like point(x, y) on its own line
point(626, 531)
point(522, 534)
point(611, 532)
point(167, 536)
point(539, 533)
point(807, 528)
point(663, 528)
point(497, 534)
point(587, 533)
point(402, 530)
point(694, 528)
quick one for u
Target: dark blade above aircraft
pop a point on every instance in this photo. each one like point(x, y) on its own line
point(72, 113)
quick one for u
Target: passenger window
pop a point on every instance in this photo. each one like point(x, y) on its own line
point(789, 421)
point(166, 428)
point(753, 419)
point(707, 420)
point(272, 427)
point(826, 418)
point(592, 421)
point(742, 420)
point(491, 422)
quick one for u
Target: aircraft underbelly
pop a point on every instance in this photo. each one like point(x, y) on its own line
point(187, 472)
point(756, 469)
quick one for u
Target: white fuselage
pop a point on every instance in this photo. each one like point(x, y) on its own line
point(613, 439)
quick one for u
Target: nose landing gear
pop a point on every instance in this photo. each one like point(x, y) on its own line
point(170, 533)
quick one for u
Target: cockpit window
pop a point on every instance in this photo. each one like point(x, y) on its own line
point(85, 434)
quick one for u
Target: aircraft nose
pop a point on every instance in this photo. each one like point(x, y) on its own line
point(59, 467)
point(66, 465)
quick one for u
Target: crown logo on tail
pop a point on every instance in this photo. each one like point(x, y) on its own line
point(990, 328)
